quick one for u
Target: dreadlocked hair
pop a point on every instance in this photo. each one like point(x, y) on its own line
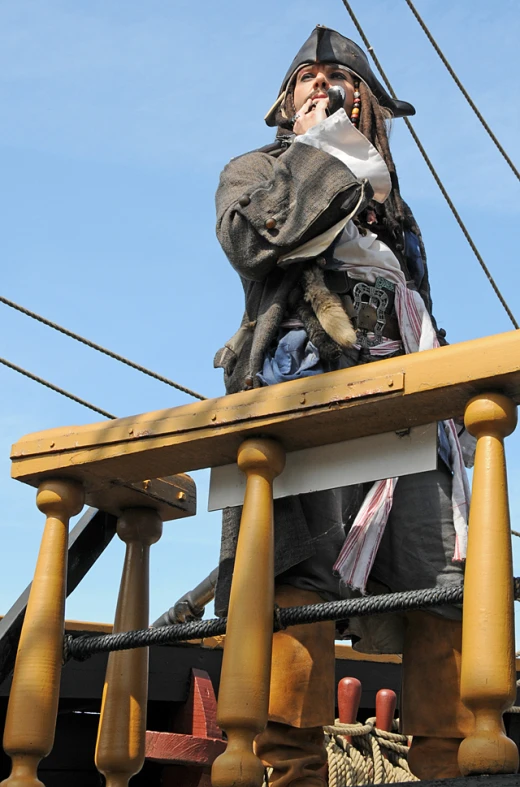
point(392, 214)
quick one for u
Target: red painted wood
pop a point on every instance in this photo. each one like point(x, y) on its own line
point(199, 714)
point(171, 747)
point(197, 740)
point(386, 701)
point(349, 697)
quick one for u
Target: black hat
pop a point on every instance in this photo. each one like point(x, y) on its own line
point(327, 46)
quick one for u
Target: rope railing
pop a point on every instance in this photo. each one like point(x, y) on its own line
point(81, 647)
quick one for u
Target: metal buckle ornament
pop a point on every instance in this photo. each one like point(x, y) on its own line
point(376, 297)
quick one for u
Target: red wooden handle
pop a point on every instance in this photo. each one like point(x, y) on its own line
point(386, 700)
point(349, 697)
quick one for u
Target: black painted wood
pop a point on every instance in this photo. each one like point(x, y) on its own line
point(500, 780)
point(87, 541)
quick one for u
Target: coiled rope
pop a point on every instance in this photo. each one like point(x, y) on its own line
point(363, 761)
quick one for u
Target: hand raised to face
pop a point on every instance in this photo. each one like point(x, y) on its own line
point(311, 113)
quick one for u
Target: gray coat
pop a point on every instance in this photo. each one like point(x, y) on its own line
point(268, 206)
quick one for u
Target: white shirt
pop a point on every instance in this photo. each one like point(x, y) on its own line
point(365, 256)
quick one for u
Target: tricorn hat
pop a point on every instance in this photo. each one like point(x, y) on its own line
point(327, 46)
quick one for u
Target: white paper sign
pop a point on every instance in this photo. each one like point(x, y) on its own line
point(340, 464)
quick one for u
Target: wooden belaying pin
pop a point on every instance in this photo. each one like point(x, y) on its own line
point(349, 697)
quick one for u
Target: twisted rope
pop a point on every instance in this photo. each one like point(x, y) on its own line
point(432, 169)
point(84, 646)
point(363, 761)
point(55, 388)
point(461, 87)
point(99, 349)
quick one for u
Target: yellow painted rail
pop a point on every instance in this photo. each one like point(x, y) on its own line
point(382, 397)
point(119, 465)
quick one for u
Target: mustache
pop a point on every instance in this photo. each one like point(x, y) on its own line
point(316, 93)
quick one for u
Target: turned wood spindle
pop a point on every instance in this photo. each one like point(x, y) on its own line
point(488, 678)
point(33, 701)
point(246, 666)
point(120, 748)
point(386, 701)
point(349, 697)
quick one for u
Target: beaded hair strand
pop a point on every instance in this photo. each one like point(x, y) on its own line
point(356, 107)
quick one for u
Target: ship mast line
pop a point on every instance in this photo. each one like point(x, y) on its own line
point(99, 348)
point(432, 169)
point(55, 388)
point(459, 84)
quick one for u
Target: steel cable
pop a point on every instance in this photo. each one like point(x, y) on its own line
point(55, 388)
point(99, 348)
point(432, 169)
point(461, 87)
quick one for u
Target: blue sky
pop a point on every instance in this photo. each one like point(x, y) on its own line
point(116, 121)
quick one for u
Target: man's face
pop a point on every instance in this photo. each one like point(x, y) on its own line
point(314, 80)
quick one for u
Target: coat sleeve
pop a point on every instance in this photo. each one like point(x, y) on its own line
point(268, 206)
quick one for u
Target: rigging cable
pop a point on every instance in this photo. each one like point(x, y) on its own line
point(100, 349)
point(55, 388)
point(459, 84)
point(432, 169)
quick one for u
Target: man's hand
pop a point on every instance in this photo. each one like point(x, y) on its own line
point(311, 113)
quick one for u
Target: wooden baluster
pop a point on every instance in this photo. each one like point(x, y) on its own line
point(33, 702)
point(120, 747)
point(488, 684)
point(244, 685)
point(349, 697)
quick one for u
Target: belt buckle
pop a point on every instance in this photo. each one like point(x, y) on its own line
point(373, 295)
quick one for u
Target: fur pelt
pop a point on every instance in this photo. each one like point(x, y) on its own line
point(327, 307)
point(327, 347)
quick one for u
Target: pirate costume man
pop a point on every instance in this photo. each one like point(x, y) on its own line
point(334, 274)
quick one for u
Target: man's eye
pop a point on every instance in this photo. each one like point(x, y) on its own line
point(306, 77)
point(338, 75)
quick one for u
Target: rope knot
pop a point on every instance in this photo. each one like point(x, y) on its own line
point(278, 622)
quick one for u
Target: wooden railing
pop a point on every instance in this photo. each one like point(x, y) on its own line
point(108, 465)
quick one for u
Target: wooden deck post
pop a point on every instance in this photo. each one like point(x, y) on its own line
point(244, 685)
point(488, 678)
point(120, 748)
point(33, 702)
